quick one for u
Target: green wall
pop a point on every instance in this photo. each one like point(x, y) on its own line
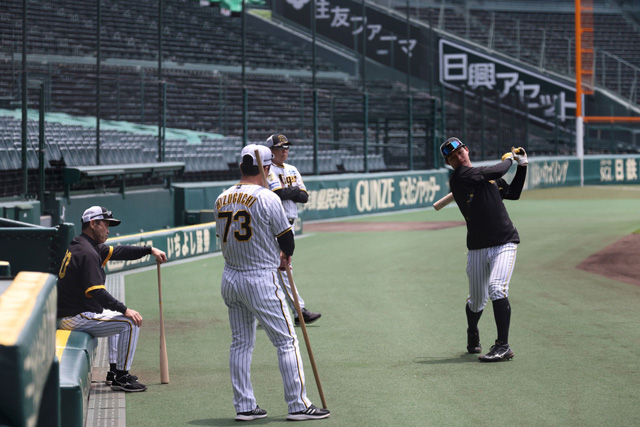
point(142, 210)
point(330, 196)
point(334, 196)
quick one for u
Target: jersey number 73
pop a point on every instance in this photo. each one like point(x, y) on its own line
point(243, 218)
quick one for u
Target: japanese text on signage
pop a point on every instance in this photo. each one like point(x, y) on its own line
point(460, 65)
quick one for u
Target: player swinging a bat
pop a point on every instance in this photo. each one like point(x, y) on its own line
point(492, 239)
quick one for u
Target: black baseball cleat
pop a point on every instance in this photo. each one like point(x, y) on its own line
point(127, 383)
point(308, 316)
point(473, 342)
point(498, 352)
point(311, 413)
point(111, 375)
point(251, 415)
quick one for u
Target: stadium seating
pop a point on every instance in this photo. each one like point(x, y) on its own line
point(129, 92)
point(543, 35)
point(283, 100)
point(201, 51)
point(191, 33)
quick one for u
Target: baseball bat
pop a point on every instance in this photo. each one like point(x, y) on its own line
point(443, 202)
point(303, 326)
point(164, 360)
point(265, 184)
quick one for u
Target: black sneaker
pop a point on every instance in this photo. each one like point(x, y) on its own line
point(311, 413)
point(251, 415)
point(473, 342)
point(308, 316)
point(127, 383)
point(111, 375)
point(500, 351)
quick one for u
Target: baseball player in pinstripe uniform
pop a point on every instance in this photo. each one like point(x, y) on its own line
point(84, 304)
point(256, 239)
point(285, 180)
point(492, 239)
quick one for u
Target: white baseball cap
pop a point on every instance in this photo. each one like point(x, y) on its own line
point(265, 154)
point(101, 213)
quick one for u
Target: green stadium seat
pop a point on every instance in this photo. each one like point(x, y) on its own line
point(78, 340)
point(75, 384)
point(76, 351)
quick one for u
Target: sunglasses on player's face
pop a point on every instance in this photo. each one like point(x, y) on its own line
point(104, 215)
point(451, 146)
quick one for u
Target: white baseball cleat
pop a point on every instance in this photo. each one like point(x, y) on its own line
point(311, 413)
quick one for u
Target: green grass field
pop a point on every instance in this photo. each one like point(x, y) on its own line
point(390, 347)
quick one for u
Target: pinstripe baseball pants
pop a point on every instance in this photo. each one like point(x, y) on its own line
point(489, 271)
point(284, 280)
point(110, 324)
point(257, 294)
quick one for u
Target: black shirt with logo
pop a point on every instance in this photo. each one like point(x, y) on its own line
point(478, 192)
point(82, 276)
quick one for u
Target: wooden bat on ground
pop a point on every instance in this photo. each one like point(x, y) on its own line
point(303, 326)
point(164, 360)
point(443, 202)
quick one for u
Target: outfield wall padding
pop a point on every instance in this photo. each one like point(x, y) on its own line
point(177, 243)
point(330, 196)
point(334, 196)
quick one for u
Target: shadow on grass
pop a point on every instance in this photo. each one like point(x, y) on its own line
point(463, 358)
point(228, 422)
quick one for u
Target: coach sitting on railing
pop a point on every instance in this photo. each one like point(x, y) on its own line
point(84, 303)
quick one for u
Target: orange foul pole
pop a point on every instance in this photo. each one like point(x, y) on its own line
point(584, 65)
point(585, 78)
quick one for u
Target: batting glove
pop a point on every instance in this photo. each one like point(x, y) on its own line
point(520, 156)
point(509, 156)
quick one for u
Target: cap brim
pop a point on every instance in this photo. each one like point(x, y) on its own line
point(112, 222)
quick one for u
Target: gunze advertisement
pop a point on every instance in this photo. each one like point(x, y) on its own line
point(356, 195)
point(347, 195)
